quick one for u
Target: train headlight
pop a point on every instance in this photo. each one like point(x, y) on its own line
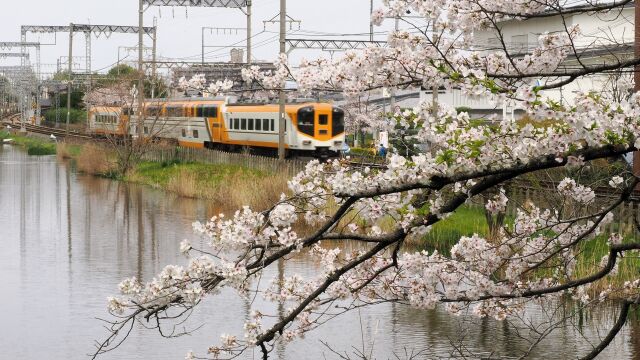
point(306, 142)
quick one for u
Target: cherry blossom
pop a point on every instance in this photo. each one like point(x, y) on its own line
point(532, 257)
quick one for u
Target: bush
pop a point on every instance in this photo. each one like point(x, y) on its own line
point(41, 149)
point(75, 116)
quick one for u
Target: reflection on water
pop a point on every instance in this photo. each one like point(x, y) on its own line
point(67, 240)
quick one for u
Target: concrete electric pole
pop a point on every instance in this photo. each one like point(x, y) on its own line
point(140, 69)
point(70, 82)
point(636, 79)
point(281, 108)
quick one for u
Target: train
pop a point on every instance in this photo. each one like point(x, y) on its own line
point(311, 128)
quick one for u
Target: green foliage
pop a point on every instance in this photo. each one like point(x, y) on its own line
point(122, 70)
point(77, 101)
point(33, 145)
point(75, 117)
point(41, 149)
point(461, 109)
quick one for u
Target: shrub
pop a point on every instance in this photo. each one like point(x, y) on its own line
point(75, 116)
point(41, 149)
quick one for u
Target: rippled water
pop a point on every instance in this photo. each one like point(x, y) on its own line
point(67, 240)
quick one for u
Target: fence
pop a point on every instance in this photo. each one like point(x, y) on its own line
point(262, 163)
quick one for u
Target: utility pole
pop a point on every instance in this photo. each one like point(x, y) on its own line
point(636, 78)
point(153, 58)
point(281, 108)
point(248, 33)
point(140, 69)
point(393, 91)
point(70, 82)
point(371, 21)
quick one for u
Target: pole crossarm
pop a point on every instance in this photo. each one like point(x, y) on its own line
point(200, 3)
point(329, 44)
point(197, 64)
point(96, 29)
point(13, 44)
point(14, 55)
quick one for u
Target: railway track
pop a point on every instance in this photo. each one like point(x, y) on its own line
point(11, 122)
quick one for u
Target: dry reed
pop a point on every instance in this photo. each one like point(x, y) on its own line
point(94, 160)
point(63, 151)
point(257, 192)
point(233, 191)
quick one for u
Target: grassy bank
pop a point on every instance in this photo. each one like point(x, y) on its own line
point(33, 145)
point(230, 186)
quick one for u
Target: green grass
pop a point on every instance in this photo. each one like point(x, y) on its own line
point(41, 149)
point(159, 174)
point(33, 145)
point(465, 221)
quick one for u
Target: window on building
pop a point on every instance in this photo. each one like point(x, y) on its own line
point(146, 130)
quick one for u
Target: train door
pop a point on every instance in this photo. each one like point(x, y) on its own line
point(323, 127)
point(214, 120)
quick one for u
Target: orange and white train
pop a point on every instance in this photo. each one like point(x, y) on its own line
point(311, 128)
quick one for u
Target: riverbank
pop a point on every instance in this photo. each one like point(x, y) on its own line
point(231, 186)
point(33, 145)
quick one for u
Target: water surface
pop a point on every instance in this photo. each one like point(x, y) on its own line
point(67, 240)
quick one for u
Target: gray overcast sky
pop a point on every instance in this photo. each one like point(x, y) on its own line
point(179, 30)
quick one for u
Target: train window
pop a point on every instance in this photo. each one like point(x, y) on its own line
point(209, 111)
point(272, 127)
point(337, 121)
point(152, 111)
point(306, 119)
point(184, 132)
point(195, 134)
point(258, 124)
point(236, 124)
point(265, 125)
point(323, 119)
point(250, 124)
point(199, 111)
point(243, 124)
point(175, 111)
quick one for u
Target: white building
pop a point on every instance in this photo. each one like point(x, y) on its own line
point(606, 37)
